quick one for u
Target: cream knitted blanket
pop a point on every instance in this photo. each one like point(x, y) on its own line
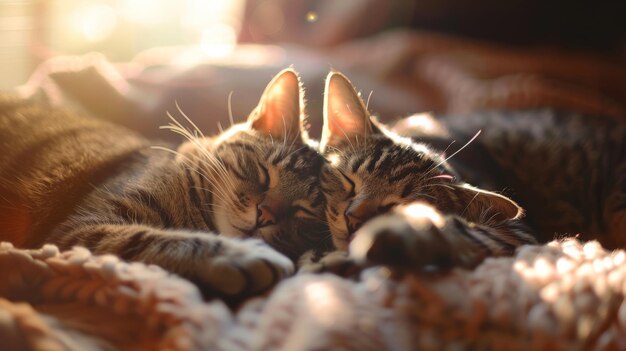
point(560, 296)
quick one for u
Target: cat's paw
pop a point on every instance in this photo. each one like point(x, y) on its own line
point(414, 236)
point(336, 262)
point(245, 268)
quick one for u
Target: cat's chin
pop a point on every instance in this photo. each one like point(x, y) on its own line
point(342, 241)
point(267, 232)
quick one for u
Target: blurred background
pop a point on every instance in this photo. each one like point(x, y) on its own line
point(129, 61)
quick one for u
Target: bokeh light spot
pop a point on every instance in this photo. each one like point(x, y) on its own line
point(311, 16)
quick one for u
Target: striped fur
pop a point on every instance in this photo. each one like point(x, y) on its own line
point(425, 214)
point(202, 210)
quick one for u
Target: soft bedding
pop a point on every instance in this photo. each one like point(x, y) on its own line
point(560, 296)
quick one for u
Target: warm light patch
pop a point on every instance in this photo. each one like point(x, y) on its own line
point(421, 123)
point(421, 211)
point(544, 270)
point(311, 16)
point(324, 302)
point(592, 249)
point(218, 40)
point(619, 258)
point(550, 293)
point(360, 245)
point(95, 22)
point(334, 159)
point(564, 265)
point(422, 120)
point(572, 250)
point(145, 12)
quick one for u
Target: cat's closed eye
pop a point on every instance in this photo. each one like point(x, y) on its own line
point(300, 210)
point(348, 185)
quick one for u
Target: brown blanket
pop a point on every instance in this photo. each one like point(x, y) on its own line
point(560, 296)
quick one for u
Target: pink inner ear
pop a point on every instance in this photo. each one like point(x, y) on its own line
point(343, 126)
point(279, 108)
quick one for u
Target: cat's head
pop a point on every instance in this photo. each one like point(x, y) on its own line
point(261, 177)
point(371, 170)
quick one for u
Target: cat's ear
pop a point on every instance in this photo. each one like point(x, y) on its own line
point(480, 205)
point(346, 120)
point(280, 108)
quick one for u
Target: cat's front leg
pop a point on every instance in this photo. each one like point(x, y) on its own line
point(223, 266)
point(419, 236)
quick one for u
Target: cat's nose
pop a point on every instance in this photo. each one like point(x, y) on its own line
point(358, 213)
point(270, 211)
point(354, 223)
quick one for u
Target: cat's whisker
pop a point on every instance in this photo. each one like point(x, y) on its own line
point(163, 148)
point(456, 152)
point(347, 139)
point(230, 108)
point(211, 191)
point(293, 141)
point(442, 176)
point(468, 204)
point(294, 151)
point(177, 128)
point(191, 167)
point(188, 119)
point(216, 191)
point(223, 172)
point(446, 149)
point(367, 104)
point(215, 165)
point(438, 184)
point(223, 194)
point(176, 123)
point(428, 196)
point(210, 208)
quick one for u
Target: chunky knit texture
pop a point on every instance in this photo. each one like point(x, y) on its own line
point(560, 296)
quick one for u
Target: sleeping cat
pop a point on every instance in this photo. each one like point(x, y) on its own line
point(69, 180)
point(394, 198)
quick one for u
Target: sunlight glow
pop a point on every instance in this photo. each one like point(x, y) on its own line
point(564, 265)
point(334, 159)
point(421, 123)
point(324, 300)
point(218, 40)
point(425, 121)
point(145, 12)
point(592, 249)
point(94, 22)
point(544, 270)
point(421, 211)
point(199, 13)
point(619, 258)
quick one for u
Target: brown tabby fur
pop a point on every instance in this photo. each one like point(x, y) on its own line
point(71, 180)
point(404, 203)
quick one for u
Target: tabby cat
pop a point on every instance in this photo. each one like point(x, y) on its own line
point(73, 181)
point(567, 170)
